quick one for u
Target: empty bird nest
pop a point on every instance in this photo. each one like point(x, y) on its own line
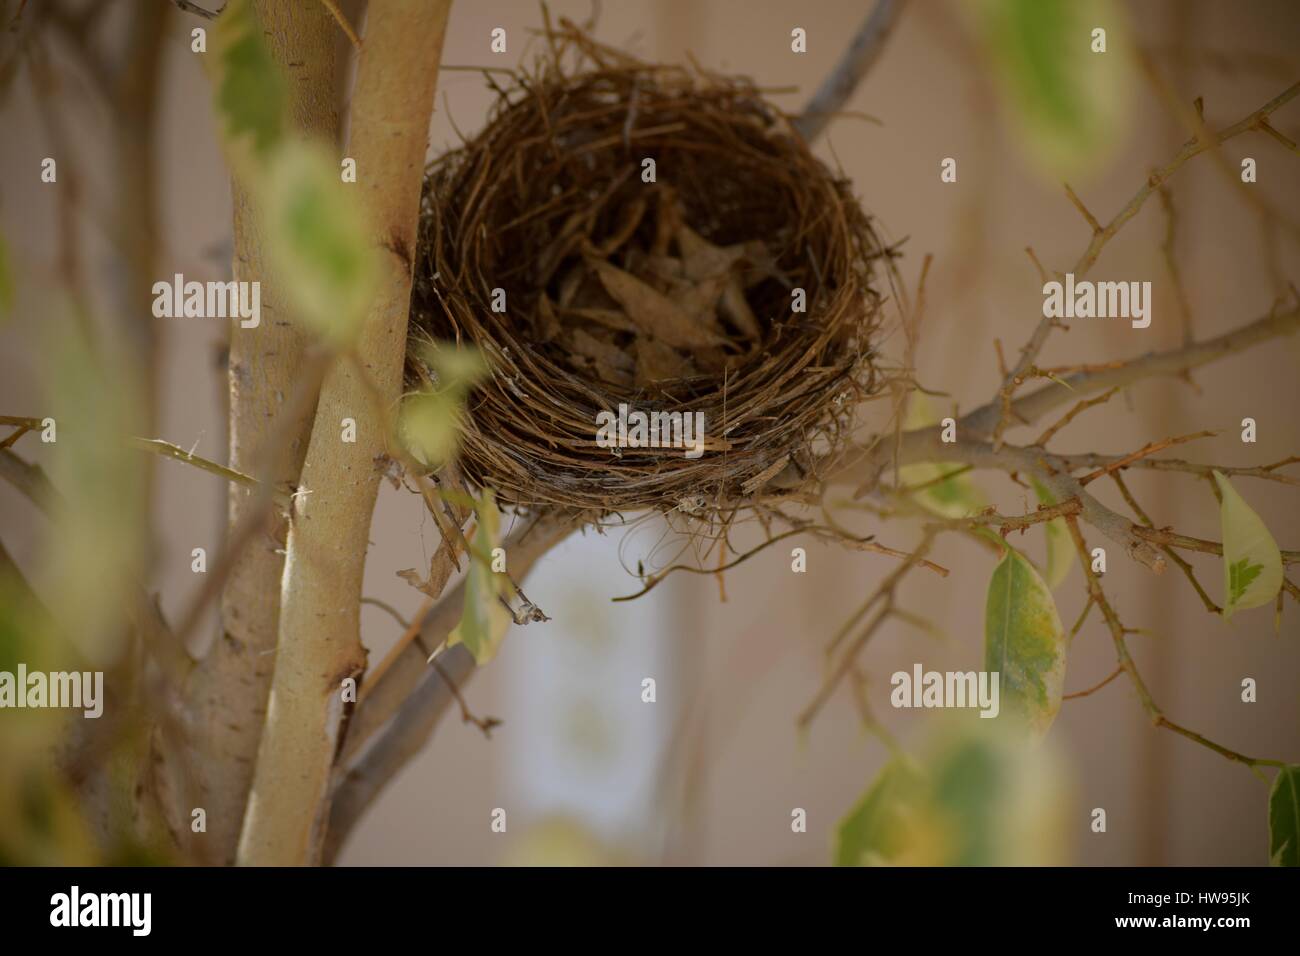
point(733, 276)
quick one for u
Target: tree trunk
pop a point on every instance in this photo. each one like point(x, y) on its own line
point(228, 691)
point(319, 642)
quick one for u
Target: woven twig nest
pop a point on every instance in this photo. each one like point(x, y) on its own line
point(588, 287)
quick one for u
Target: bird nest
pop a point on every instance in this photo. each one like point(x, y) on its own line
point(635, 246)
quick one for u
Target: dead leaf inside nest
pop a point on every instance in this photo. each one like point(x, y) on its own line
point(637, 316)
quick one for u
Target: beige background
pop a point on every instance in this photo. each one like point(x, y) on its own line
point(710, 773)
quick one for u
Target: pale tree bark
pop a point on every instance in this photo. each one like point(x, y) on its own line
point(319, 643)
point(228, 691)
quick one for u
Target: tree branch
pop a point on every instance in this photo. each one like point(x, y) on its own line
point(1103, 234)
point(1029, 408)
point(396, 716)
point(319, 642)
point(857, 60)
point(1118, 632)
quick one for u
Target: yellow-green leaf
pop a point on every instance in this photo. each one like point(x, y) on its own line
point(996, 801)
point(878, 828)
point(981, 797)
point(431, 420)
point(1284, 817)
point(484, 620)
point(1252, 563)
point(250, 90)
point(323, 257)
point(1024, 642)
point(1067, 102)
point(1060, 546)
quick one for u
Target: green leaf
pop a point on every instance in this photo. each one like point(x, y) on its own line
point(1060, 546)
point(250, 90)
point(431, 421)
point(322, 253)
point(1067, 103)
point(457, 366)
point(877, 829)
point(1284, 817)
point(997, 801)
point(982, 797)
point(484, 620)
point(1024, 642)
point(948, 497)
point(1252, 563)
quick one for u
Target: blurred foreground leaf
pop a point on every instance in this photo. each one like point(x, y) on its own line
point(1068, 102)
point(250, 90)
point(879, 828)
point(430, 420)
point(982, 798)
point(323, 257)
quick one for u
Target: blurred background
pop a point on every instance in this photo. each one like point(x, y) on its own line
point(710, 773)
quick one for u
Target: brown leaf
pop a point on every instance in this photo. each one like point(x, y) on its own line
point(548, 325)
point(701, 258)
point(609, 318)
point(653, 312)
point(705, 262)
point(735, 307)
point(584, 343)
point(699, 299)
point(656, 362)
point(632, 214)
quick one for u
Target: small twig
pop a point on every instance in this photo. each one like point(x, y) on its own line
point(1265, 472)
point(1083, 210)
point(1153, 182)
point(1266, 127)
point(1083, 616)
point(865, 544)
point(1149, 448)
point(393, 612)
point(1126, 663)
point(1095, 687)
point(187, 6)
point(168, 450)
point(1069, 416)
point(485, 724)
point(1188, 543)
point(884, 592)
point(1183, 564)
point(342, 21)
point(1168, 250)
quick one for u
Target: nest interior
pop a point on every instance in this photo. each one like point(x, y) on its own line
point(588, 283)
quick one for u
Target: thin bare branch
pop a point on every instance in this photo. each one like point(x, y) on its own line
point(838, 87)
